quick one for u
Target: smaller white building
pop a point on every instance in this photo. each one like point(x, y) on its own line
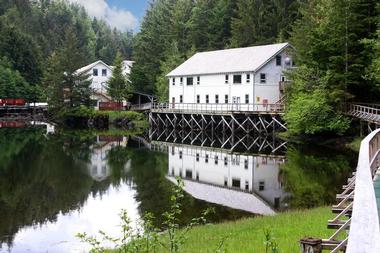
point(100, 73)
point(243, 79)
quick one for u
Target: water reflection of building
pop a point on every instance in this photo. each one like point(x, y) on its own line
point(235, 175)
point(99, 168)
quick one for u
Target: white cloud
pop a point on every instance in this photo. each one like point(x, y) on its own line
point(115, 17)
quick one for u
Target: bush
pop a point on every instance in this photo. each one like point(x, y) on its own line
point(311, 113)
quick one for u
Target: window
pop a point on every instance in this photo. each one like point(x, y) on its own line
point(247, 98)
point(246, 185)
point(246, 164)
point(181, 80)
point(173, 151)
point(173, 82)
point(189, 81)
point(283, 78)
point(104, 72)
point(248, 78)
point(197, 176)
point(95, 72)
point(198, 79)
point(216, 159)
point(206, 159)
point(207, 100)
point(216, 99)
point(197, 157)
point(226, 79)
point(237, 79)
point(263, 78)
point(261, 186)
point(236, 183)
point(188, 174)
point(180, 154)
point(278, 60)
point(180, 98)
point(198, 99)
point(225, 161)
point(225, 181)
point(226, 99)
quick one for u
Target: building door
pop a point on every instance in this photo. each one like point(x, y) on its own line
point(173, 102)
point(236, 103)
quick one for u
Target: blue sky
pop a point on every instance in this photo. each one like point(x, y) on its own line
point(122, 14)
point(137, 7)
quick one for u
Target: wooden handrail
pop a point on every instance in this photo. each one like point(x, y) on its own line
point(364, 235)
point(219, 107)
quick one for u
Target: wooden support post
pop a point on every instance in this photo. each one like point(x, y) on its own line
point(311, 245)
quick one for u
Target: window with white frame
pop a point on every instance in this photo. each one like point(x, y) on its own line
point(247, 98)
point(263, 78)
point(226, 99)
point(173, 81)
point(207, 99)
point(198, 80)
point(248, 79)
point(237, 79)
point(181, 80)
point(180, 98)
point(198, 99)
point(104, 72)
point(216, 99)
point(95, 72)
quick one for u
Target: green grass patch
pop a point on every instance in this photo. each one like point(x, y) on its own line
point(248, 235)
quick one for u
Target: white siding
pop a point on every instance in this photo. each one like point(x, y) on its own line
point(254, 170)
point(214, 84)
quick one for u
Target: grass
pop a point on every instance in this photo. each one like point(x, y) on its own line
point(247, 235)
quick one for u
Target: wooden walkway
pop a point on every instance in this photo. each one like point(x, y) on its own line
point(369, 113)
point(357, 210)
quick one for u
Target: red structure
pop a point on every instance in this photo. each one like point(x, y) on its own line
point(12, 102)
point(110, 106)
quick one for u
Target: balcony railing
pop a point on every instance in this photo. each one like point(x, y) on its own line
point(218, 108)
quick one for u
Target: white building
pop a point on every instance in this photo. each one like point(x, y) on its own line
point(98, 167)
point(100, 73)
point(257, 176)
point(247, 78)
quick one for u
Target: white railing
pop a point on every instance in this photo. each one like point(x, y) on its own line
point(217, 108)
point(368, 112)
point(364, 235)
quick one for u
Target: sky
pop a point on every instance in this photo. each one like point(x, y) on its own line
point(122, 14)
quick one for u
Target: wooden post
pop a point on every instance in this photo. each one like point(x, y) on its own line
point(311, 245)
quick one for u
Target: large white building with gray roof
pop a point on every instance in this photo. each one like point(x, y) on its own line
point(240, 76)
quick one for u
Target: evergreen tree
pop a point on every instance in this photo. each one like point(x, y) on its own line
point(172, 61)
point(118, 86)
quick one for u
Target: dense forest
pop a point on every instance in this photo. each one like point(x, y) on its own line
point(336, 42)
point(33, 34)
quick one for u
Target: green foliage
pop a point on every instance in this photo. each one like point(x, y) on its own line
point(118, 86)
point(311, 113)
point(172, 61)
point(271, 246)
point(31, 32)
point(12, 84)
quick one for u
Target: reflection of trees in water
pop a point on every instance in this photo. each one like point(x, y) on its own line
point(41, 178)
point(313, 177)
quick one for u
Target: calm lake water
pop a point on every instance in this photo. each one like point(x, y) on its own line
point(55, 184)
